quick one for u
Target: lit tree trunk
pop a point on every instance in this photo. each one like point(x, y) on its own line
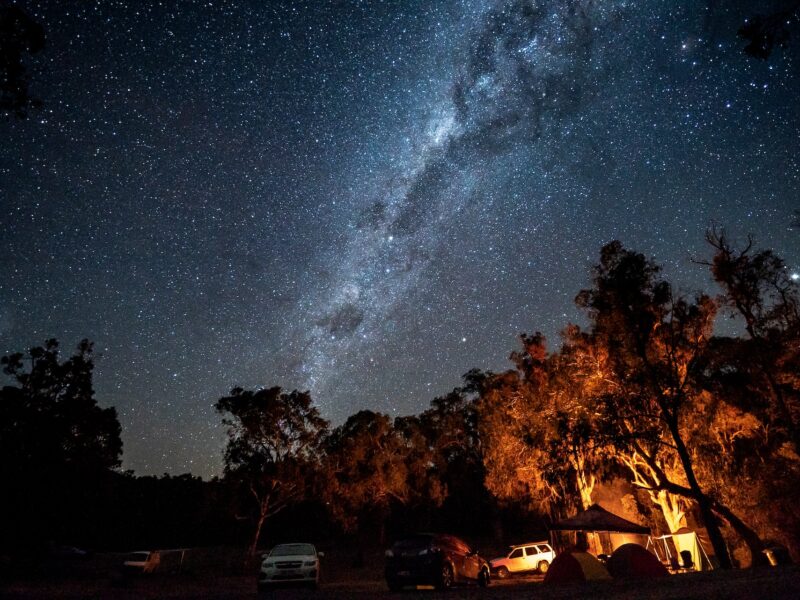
point(647, 479)
point(703, 501)
point(262, 516)
point(585, 482)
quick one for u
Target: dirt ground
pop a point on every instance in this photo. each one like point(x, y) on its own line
point(757, 584)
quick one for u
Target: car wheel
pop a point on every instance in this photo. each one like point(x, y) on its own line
point(483, 578)
point(543, 566)
point(446, 577)
point(502, 572)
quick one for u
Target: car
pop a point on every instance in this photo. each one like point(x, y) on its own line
point(142, 561)
point(290, 564)
point(155, 561)
point(440, 560)
point(533, 556)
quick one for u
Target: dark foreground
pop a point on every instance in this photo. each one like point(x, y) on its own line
point(758, 584)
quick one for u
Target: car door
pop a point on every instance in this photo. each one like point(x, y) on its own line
point(516, 560)
point(451, 549)
point(471, 561)
point(531, 557)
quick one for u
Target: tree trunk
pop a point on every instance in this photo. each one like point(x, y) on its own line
point(254, 545)
point(750, 537)
point(703, 501)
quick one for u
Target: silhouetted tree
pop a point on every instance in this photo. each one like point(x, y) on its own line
point(20, 35)
point(56, 444)
point(755, 383)
point(273, 447)
point(764, 33)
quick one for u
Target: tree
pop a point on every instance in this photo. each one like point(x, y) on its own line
point(51, 419)
point(536, 425)
point(764, 33)
point(19, 35)
point(371, 466)
point(57, 446)
point(754, 381)
point(273, 447)
point(655, 342)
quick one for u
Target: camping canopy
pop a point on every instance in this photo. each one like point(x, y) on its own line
point(597, 518)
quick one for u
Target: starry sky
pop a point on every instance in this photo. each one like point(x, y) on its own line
point(366, 198)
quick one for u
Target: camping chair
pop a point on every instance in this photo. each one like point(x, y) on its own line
point(673, 564)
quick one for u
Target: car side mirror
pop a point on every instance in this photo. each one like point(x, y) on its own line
point(321, 554)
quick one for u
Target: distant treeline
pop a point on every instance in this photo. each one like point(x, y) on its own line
point(688, 427)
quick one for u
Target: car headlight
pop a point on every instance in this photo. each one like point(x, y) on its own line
point(310, 563)
point(423, 552)
point(389, 554)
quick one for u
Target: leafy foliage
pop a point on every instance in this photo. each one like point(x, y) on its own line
point(20, 35)
point(273, 445)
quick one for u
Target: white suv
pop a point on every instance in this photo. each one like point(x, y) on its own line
point(289, 564)
point(533, 556)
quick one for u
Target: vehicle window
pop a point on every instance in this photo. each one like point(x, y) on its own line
point(448, 542)
point(293, 550)
point(413, 543)
point(531, 550)
point(544, 548)
point(516, 553)
point(460, 546)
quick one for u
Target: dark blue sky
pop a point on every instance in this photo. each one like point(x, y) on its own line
point(366, 199)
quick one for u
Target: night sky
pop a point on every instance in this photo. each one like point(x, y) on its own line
point(366, 199)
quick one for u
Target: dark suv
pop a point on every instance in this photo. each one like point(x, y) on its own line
point(433, 559)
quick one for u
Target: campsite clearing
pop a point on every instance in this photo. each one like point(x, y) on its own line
point(757, 584)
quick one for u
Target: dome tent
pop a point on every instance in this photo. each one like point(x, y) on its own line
point(633, 560)
point(570, 567)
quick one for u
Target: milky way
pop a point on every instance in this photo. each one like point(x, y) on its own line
point(366, 199)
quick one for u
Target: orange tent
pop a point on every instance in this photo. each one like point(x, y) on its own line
point(569, 567)
point(633, 560)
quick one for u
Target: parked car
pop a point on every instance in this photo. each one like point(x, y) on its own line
point(434, 559)
point(155, 561)
point(533, 556)
point(288, 564)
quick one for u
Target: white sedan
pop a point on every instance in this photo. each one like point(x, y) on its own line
point(290, 564)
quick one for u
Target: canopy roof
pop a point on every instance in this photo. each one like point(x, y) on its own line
point(597, 518)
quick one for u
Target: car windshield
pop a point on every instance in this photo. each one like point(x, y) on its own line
point(293, 550)
point(138, 556)
point(413, 543)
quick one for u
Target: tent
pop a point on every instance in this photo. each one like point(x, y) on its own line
point(596, 520)
point(633, 560)
point(569, 567)
point(670, 547)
